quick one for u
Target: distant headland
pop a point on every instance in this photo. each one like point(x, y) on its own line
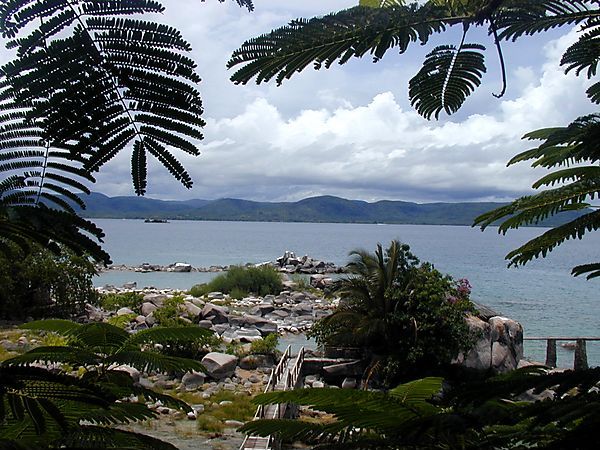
point(315, 209)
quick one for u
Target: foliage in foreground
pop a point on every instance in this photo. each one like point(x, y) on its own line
point(407, 314)
point(47, 410)
point(45, 284)
point(488, 414)
point(450, 74)
point(41, 409)
point(240, 281)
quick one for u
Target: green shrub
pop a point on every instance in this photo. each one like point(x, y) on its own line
point(43, 284)
point(199, 290)
point(112, 302)
point(168, 314)
point(240, 281)
point(265, 346)
point(407, 315)
point(122, 321)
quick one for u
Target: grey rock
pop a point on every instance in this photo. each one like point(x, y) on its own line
point(150, 320)
point(252, 362)
point(219, 365)
point(148, 308)
point(156, 299)
point(129, 285)
point(193, 380)
point(131, 371)
point(349, 383)
point(318, 384)
point(192, 309)
point(205, 324)
point(216, 314)
point(9, 345)
point(233, 423)
point(124, 311)
point(181, 267)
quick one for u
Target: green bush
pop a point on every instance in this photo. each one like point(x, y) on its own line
point(121, 321)
point(241, 281)
point(199, 290)
point(43, 284)
point(168, 314)
point(112, 302)
point(408, 316)
point(265, 346)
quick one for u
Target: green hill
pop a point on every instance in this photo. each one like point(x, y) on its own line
point(315, 209)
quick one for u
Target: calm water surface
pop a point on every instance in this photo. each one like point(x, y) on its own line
point(543, 296)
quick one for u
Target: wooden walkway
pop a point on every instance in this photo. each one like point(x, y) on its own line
point(284, 377)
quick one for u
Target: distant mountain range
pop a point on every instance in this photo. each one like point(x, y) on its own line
point(315, 209)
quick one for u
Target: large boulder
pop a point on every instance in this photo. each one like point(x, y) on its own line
point(192, 309)
point(252, 362)
point(219, 365)
point(216, 314)
point(499, 345)
point(148, 307)
point(156, 299)
point(192, 380)
point(181, 267)
point(259, 323)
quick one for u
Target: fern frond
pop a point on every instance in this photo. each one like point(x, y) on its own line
point(541, 245)
point(167, 335)
point(528, 17)
point(148, 361)
point(55, 354)
point(448, 76)
point(335, 37)
point(593, 270)
point(60, 326)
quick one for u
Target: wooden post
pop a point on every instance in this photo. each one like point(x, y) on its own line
point(551, 353)
point(580, 362)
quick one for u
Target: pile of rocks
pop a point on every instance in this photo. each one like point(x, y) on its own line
point(174, 267)
point(290, 263)
point(244, 320)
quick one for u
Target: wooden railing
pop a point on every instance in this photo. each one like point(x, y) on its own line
point(580, 361)
point(294, 374)
point(275, 379)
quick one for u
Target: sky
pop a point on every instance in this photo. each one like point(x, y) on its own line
point(350, 131)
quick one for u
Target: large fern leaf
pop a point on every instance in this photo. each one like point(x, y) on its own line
point(449, 75)
point(112, 82)
point(335, 37)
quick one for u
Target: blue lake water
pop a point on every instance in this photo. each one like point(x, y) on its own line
point(543, 295)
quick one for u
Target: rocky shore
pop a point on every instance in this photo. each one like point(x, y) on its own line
point(287, 263)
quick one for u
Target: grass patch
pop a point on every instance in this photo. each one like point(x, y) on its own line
point(212, 420)
point(241, 281)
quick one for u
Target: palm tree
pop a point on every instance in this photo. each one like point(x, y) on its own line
point(369, 296)
point(408, 318)
point(451, 73)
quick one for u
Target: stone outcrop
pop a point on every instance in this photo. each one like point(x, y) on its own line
point(499, 345)
point(219, 365)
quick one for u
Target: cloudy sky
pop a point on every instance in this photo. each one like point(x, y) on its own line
point(350, 131)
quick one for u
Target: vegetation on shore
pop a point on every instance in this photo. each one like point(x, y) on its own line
point(241, 281)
